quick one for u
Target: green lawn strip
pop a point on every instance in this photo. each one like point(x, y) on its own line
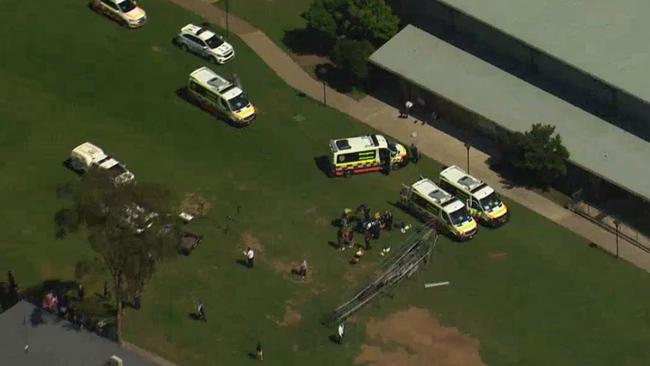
point(549, 300)
point(273, 17)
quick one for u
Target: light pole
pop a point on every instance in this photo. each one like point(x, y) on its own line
point(467, 146)
point(322, 71)
point(617, 224)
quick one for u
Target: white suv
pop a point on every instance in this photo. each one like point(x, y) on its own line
point(206, 43)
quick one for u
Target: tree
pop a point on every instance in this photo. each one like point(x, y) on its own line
point(352, 57)
point(361, 20)
point(131, 228)
point(538, 153)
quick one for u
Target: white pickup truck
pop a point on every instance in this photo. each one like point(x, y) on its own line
point(87, 155)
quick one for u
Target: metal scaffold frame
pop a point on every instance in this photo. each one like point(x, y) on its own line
point(416, 251)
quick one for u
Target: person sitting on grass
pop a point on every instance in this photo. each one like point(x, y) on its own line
point(301, 270)
point(357, 256)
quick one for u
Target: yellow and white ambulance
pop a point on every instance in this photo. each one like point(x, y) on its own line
point(428, 201)
point(481, 199)
point(362, 154)
point(219, 95)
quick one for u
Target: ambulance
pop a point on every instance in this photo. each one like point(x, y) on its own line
point(483, 202)
point(364, 154)
point(219, 95)
point(430, 202)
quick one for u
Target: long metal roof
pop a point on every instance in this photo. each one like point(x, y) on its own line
point(604, 38)
point(594, 144)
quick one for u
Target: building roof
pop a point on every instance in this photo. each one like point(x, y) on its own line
point(604, 38)
point(594, 144)
point(53, 341)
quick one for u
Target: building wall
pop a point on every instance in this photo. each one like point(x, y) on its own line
point(540, 69)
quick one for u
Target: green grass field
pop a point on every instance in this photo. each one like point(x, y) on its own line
point(273, 17)
point(531, 292)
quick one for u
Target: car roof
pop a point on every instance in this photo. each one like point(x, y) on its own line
point(201, 32)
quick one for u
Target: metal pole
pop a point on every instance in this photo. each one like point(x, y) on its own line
point(467, 146)
point(617, 225)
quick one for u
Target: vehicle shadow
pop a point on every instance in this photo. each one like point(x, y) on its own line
point(322, 163)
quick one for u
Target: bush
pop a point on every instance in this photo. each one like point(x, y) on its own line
point(352, 57)
point(538, 153)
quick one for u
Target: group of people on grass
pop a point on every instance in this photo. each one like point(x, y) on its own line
point(362, 222)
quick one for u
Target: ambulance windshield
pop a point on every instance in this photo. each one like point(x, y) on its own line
point(490, 202)
point(238, 102)
point(459, 216)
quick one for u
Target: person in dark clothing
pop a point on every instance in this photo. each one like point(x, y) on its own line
point(367, 237)
point(259, 351)
point(81, 292)
point(340, 237)
point(388, 220)
point(105, 292)
point(414, 153)
point(13, 286)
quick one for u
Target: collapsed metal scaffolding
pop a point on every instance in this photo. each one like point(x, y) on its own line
point(416, 251)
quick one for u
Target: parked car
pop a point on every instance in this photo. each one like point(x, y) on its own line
point(126, 12)
point(205, 43)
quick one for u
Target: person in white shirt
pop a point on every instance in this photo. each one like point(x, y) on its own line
point(250, 257)
point(200, 310)
point(340, 331)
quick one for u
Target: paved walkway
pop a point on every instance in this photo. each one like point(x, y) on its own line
point(431, 141)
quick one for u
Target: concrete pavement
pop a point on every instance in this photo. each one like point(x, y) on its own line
point(431, 141)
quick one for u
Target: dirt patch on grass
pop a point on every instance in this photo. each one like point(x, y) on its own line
point(250, 240)
point(196, 205)
point(245, 186)
point(156, 49)
point(322, 221)
point(291, 317)
point(414, 338)
point(497, 256)
point(281, 267)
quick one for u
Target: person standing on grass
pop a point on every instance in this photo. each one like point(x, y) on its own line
point(339, 333)
point(81, 292)
point(367, 237)
point(259, 351)
point(340, 237)
point(388, 220)
point(348, 236)
point(200, 311)
point(250, 257)
point(105, 292)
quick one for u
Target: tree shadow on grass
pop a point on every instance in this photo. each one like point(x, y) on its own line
point(306, 41)
point(334, 77)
